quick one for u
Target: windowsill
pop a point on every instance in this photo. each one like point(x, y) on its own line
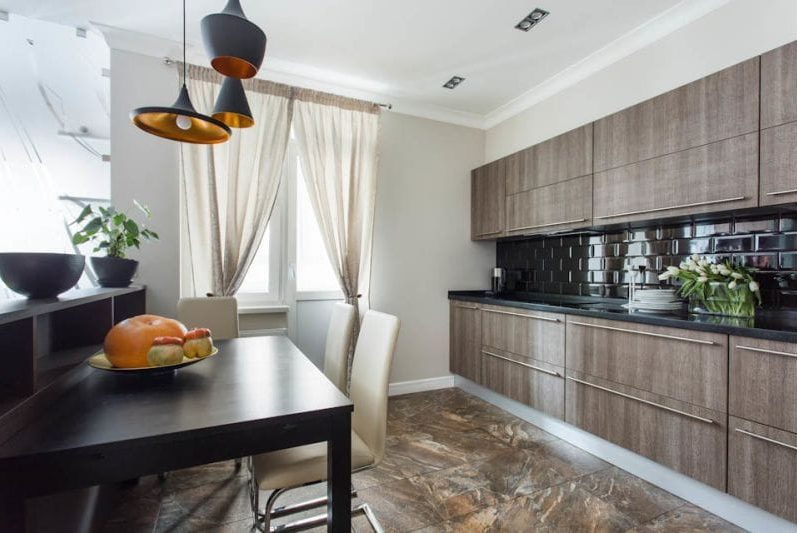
point(263, 309)
point(306, 296)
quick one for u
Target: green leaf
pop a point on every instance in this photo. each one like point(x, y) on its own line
point(132, 227)
point(144, 209)
point(119, 219)
point(79, 238)
point(93, 226)
point(83, 214)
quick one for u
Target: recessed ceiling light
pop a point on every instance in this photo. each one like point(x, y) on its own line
point(453, 82)
point(531, 20)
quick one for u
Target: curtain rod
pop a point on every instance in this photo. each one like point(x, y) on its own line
point(169, 61)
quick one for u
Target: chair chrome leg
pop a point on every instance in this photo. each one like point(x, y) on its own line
point(370, 516)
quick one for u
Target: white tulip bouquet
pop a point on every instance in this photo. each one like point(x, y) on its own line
point(716, 288)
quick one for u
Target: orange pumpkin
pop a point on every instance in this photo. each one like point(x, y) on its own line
point(129, 341)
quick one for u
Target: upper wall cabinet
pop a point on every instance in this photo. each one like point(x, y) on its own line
point(488, 200)
point(711, 109)
point(779, 126)
point(779, 86)
point(562, 158)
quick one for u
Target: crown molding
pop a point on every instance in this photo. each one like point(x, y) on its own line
point(275, 69)
point(667, 22)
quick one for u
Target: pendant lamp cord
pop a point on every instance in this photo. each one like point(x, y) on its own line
point(185, 67)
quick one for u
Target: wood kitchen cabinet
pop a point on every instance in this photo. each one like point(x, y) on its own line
point(488, 200)
point(714, 108)
point(538, 385)
point(465, 340)
point(779, 126)
point(716, 177)
point(681, 436)
point(561, 206)
point(558, 159)
point(689, 366)
point(762, 467)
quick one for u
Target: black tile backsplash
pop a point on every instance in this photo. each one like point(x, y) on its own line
point(596, 264)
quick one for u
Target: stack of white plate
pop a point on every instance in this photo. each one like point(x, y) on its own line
point(655, 301)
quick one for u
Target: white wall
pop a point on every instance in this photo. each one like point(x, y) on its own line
point(733, 33)
point(146, 168)
point(422, 244)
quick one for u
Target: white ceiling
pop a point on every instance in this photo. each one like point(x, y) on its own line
point(404, 50)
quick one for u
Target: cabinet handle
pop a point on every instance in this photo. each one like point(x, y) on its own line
point(538, 369)
point(574, 221)
point(535, 317)
point(681, 206)
point(761, 350)
point(660, 335)
point(489, 233)
point(465, 306)
point(778, 193)
point(642, 400)
point(766, 439)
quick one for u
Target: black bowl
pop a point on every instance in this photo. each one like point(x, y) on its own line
point(40, 275)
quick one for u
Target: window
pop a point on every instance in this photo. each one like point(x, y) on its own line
point(293, 221)
point(314, 273)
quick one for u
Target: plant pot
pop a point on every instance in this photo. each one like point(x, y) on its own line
point(40, 275)
point(720, 300)
point(113, 271)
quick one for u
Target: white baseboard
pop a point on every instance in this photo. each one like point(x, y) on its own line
point(721, 504)
point(420, 385)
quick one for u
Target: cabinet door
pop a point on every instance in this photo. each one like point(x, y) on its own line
point(538, 385)
point(465, 340)
point(716, 177)
point(779, 86)
point(561, 158)
point(762, 467)
point(711, 109)
point(684, 437)
point(561, 206)
point(690, 366)
point(779, 164)
point(488, 200)
point(533, 335)
point(763, 382)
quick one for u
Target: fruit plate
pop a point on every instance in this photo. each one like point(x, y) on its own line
point(101, 362)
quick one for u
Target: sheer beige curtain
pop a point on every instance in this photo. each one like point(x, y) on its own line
point(337, 139)
point(228, 190)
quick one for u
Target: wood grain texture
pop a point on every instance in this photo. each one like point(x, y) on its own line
point(488, 200)
point(779, 164)
point(692, 447)
point(760, 472)
point(532, 387)
point(763, 386)
point(565, 205)
point(679, 369)
point(654, 188)
point(719, 106)
point(558, 159)
point(465, 341)
point(779, 86)
point(522, 333)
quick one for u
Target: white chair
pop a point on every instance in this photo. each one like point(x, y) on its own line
point(217, 313)
point(336, 352)
point(282, 470)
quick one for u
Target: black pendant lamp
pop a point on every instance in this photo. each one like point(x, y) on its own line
point(232, 107)
point(236, 45)
point(181, 121)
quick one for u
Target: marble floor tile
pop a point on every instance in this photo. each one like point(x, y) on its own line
point(517, 433)
point(399, 506)
point(688, 518)
point(205, 506)
point(635, 497)
point(187, 478)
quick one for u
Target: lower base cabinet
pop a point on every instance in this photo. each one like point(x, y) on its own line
point(762, 467)
point(686, 438)
point(534, 383)
point(465, 340)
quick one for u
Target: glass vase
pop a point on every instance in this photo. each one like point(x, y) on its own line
point(720, 300)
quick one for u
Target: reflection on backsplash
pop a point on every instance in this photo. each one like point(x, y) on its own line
point(596, 263)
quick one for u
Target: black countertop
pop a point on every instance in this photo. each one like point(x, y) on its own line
point(767, 324)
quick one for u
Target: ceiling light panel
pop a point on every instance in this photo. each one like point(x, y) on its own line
point(453, 82)
point(531, 20)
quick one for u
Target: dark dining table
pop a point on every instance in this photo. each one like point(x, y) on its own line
point(256, 395)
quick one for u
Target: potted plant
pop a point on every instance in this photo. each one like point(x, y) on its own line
point(114, 232)
point(717, 289)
